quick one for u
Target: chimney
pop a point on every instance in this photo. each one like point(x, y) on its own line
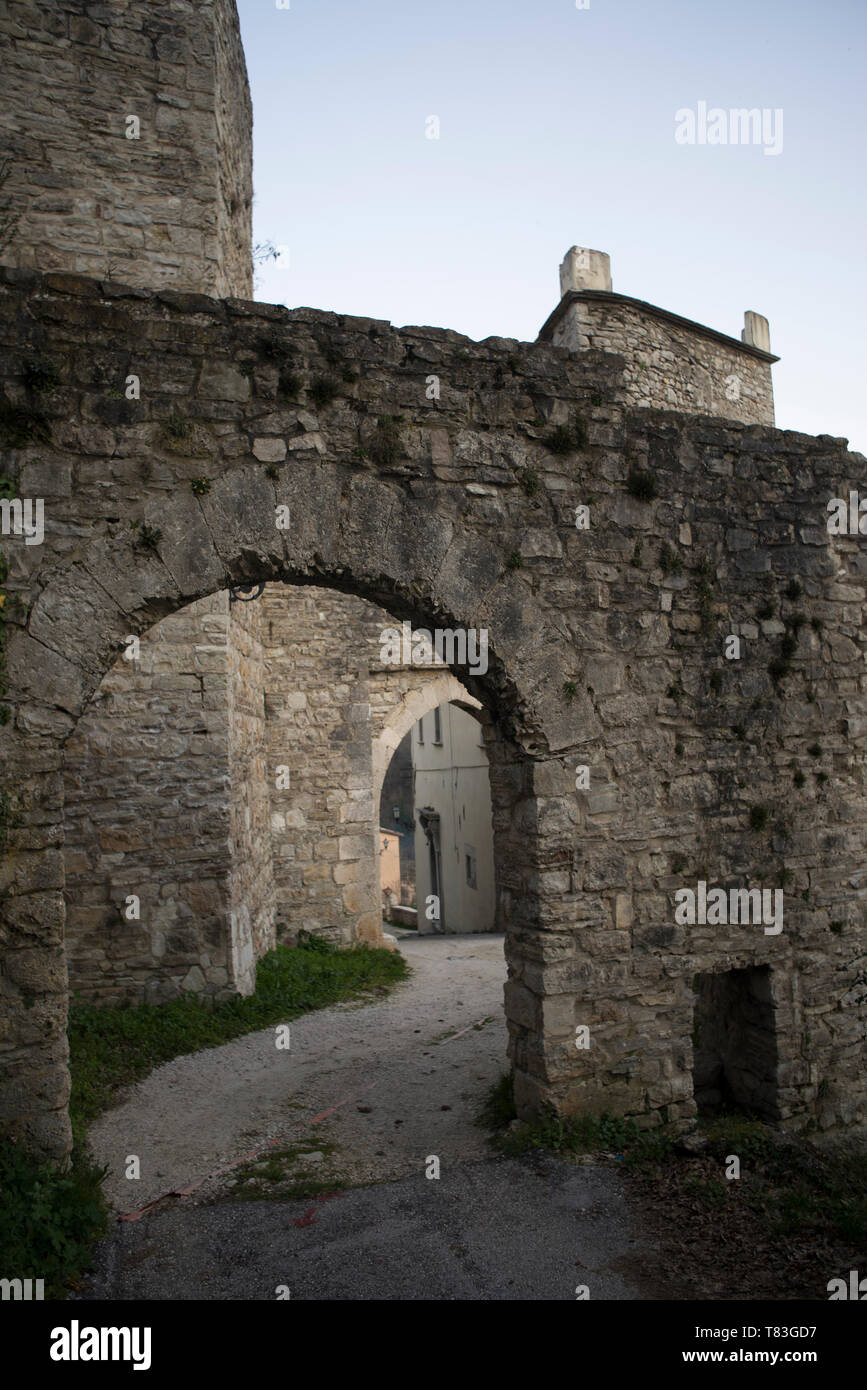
point(583, 269)
point(756, 331)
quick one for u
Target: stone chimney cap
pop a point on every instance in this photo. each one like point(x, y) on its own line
point(756, 331)
point(583, 269)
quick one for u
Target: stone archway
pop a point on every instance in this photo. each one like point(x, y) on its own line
point(115, 593)
point(440, 689)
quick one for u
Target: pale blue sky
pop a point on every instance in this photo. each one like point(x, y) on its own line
point(557, 128)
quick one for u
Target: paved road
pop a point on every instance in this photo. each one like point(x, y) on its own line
point(499, 1229)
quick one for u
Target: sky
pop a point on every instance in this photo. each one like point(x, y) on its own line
point(556, 127)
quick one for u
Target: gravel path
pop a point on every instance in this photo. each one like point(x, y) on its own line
point(402, 1087)
point(365, 1095)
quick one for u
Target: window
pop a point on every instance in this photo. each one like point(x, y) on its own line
point(470, 863)
point(421, 730)
point(438, 732)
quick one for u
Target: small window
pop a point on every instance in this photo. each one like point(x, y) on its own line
point(438, 732)
point(421, 730)
point(470, 862)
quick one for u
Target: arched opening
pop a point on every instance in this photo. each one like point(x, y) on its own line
point(448, 768)
point(79, 626)
point(456, 883)
point(222, 795)
point(223, 791)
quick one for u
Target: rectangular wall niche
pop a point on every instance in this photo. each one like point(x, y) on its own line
point(735, 1042)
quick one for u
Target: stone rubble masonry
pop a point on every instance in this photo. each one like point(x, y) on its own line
point(606, 648)
point(166, 798)
point(250, 874)
point(669, 362)
point(169, 209)
point(335, 714)
point(171, 792)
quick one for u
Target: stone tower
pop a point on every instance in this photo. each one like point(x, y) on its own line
point(128, 133)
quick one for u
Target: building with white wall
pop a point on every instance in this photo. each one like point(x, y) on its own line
point(454, 851)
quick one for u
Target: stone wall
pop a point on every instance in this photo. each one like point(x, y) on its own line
point(333, 710)
point(324, 849)
point(168, 208)
point(609, 647)
point(174, 791)
point(166, 795)
point(668, 362)
point(147, 813)
point(248, 853)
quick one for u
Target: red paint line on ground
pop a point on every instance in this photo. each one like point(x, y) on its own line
point(463, 1030)
point(345, 1101)
point(138, 1212)
point(309, 1217)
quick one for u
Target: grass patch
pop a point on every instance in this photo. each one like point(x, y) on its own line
point(49, 1219)
point(177, 431)
point(579, 1134)
point(669, 560)
point(498, 1110)
point(113, 1048)
point(39, 375)
point(148, 537)
point(280, 1174)
point(794, 1207)
point(795, 1187)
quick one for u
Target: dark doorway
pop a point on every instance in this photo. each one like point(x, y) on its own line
point(735, 1043)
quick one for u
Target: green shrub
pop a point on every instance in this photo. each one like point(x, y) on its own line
point(21, 425)
point(49, 1219)
point(112, 1048)
point(568, 439)
point(529, 480)
point(322, 390)
point(39, 375)
point(642, 485)
point(385, 446)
